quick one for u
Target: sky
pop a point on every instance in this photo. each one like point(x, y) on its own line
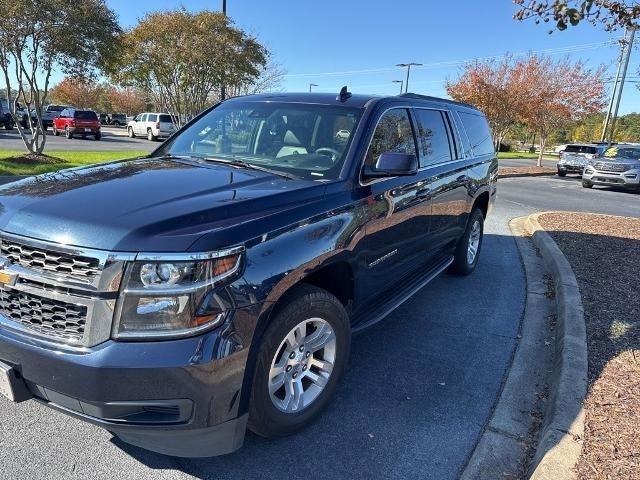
point(357, 43)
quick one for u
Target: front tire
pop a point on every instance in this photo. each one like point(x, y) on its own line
point(67, 133)
point(302, 356)
point(130, 132)
point(468, 250)
point(587, 184)
point(561, 173)
point(55, 131)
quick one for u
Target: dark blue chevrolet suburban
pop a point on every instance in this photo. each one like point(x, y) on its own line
point(179, 298)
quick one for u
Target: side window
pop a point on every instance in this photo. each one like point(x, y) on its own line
point(478, 132)
point(433, 137)
point(152, 117)
point(393, 134)
point(143, 118)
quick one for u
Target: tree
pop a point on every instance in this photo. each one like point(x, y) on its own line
point(494, 88)
point(182, 58)
point(128, 100)
point(78, 92)
point(269, 79)
point(37, 36)
point(556, 93)
point(612, 14)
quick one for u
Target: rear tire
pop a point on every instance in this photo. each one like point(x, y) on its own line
point(150, 136)
point(97, 136)
point(55, 131)
point(302, 356)
point(67, 133)
point(468, 250)
point(587, 184)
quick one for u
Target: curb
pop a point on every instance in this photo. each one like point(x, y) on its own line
point(560, 439)
point(522, 175)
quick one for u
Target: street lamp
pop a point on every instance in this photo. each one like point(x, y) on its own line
point(311, 85)
point(223, 88)
point(401, 82)
point(408, 65)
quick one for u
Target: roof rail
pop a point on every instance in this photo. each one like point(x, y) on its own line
point(435, 99)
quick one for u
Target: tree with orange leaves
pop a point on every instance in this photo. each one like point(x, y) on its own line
point(556, 93)
point(493, 87)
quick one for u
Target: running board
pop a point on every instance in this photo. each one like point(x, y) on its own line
point(388, 307)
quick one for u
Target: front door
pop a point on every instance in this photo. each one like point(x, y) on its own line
point(398, 210)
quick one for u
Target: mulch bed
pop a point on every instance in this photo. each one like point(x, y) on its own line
point(29, 159)
point(525, 171)
point(604, 252)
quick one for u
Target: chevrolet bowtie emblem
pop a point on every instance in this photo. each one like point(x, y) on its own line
point(6, 277)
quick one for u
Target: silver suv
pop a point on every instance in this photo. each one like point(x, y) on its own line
point(619, 166)
point(153, 125)
point(576, 156)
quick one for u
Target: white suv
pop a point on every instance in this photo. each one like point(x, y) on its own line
point(152, 124)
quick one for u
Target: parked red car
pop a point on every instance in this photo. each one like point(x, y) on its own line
point(77, 122)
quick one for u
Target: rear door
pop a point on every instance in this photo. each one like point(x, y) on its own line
point(447, 177)
point(398, 210)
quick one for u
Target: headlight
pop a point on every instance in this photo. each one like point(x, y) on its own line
point(164, 297)
point(589, 169)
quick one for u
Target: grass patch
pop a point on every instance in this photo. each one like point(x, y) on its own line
point(14, 162)
point(533, 156)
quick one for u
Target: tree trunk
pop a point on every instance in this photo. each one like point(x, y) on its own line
point(543, 141)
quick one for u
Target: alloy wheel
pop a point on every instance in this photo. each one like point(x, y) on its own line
point(302, 365)
point(474, 242)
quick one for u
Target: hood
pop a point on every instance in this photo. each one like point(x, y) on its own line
point(155, 205)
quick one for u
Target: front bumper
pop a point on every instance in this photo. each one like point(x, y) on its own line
point(628, 179)
point(177, 397)
point(569, 168)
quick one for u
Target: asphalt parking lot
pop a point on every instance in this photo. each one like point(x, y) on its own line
point(113, 139)
point(419, 390)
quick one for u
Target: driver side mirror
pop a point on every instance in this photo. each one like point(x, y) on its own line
point(393, 164)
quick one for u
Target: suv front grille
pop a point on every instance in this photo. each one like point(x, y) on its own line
point(83, 268)
point(611, 167)
point(46, 316)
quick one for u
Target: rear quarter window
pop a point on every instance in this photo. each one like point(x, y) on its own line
point(165, 119)
point(478, 132)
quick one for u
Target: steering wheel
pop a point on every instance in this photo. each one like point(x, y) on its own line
point(332, 153)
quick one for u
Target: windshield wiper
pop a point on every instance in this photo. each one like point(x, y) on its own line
point(251, 166)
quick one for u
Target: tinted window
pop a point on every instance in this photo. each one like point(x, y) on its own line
point(165, 118)
point(85, 115)
point(55, 108)
point(478, 132)
point(433, 137)
point(393, 134)
point(580, 149)
point(152, 117)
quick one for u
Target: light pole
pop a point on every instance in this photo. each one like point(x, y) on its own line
point(223, 89)
point(311, 85)
point(408, 65)
point(401, 82)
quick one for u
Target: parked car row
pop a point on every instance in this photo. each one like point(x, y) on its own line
point(602, 164)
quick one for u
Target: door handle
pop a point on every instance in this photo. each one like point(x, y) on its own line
point(423, 193)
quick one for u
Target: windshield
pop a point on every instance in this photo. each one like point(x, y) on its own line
point(622, 152)
point(581, 149)
point(306, 140)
